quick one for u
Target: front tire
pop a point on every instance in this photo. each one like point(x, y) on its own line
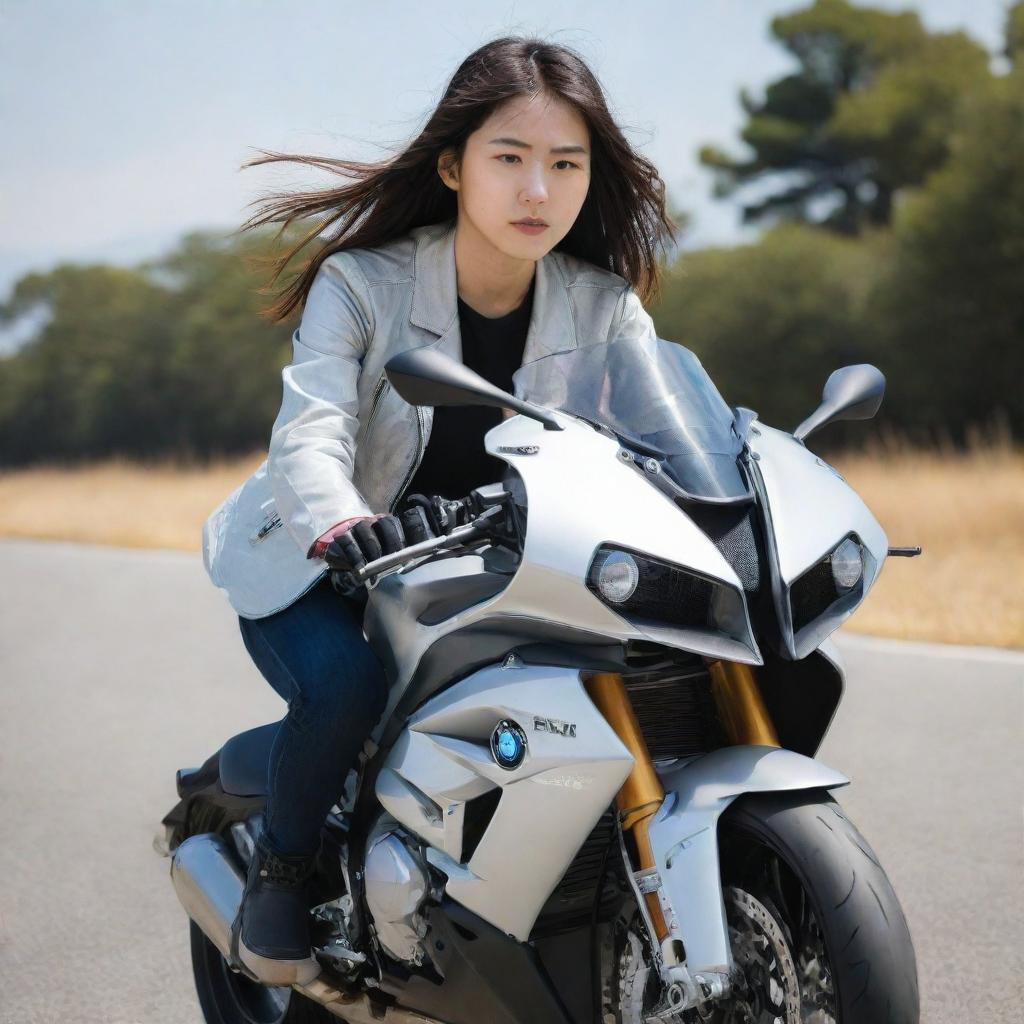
point(805, 860)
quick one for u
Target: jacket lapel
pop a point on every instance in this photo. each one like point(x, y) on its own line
point(435, 298)
point(435, 293)
point(552, 326)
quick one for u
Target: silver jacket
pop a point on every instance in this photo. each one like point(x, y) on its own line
point(345, 443)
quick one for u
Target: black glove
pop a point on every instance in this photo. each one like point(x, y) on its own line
point(369, 540)
point(364, 542)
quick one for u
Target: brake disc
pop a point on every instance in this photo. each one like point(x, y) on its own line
point(816, 987)
point(634, 974)
point(765, 986)
point(765, 983)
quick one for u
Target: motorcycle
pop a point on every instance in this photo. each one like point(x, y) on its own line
point(593, 793)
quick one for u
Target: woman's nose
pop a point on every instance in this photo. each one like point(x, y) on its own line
point(534, 189)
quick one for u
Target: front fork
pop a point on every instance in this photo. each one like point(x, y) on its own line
point(745, 720)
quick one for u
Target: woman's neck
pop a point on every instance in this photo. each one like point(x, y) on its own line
point(489, 281)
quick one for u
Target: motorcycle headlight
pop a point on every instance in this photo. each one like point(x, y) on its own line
point(838, 575)
point(638, 586)
point(616, 575)
point(847, 563)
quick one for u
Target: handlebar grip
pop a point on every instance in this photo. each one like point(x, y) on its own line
point(459, 535)
point(346, 583)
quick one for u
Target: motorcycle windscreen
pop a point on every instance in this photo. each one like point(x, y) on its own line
point(652, 394)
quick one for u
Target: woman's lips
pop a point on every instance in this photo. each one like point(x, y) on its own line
point(529, 229)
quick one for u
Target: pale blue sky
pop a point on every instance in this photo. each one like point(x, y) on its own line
point(125, 121)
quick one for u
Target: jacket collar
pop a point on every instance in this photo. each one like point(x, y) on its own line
point(435, 297)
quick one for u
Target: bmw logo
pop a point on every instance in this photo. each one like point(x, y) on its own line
point(508, 745)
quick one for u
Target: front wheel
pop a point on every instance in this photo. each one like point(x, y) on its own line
point(816, 932)
point(804, 862)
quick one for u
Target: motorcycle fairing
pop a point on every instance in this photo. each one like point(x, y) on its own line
point(574, 766)
point(488, 975)
point(684, 836)
point(614, 505)
point(809, 508)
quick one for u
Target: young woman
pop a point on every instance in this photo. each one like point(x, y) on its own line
point(520, 222)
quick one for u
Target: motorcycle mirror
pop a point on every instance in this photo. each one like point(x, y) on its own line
point(850, 393)
point(424, 376)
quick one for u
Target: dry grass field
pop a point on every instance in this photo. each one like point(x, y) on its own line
point(966, 510)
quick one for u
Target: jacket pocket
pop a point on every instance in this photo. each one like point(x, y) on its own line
point(380, 392)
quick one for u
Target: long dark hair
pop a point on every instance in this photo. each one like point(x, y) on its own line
point(623, 225)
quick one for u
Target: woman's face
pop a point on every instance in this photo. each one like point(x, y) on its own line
point(530, 160)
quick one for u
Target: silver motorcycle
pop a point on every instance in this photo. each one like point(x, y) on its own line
point(593, 795)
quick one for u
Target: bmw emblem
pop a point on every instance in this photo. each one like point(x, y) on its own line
point(508, 745)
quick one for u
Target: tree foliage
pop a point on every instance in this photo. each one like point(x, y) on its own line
point(168, 358)
point(950, 316)
point(867, 112)
point(936, 301)
point(769, 321)
point(1015, 33)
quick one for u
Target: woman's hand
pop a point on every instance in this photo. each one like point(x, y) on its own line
point(320, 545)
point(363, 540)
point(354, 542)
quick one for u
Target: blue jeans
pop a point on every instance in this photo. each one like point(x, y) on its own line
point(314, 655)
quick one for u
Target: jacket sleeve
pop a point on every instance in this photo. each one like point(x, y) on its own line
point(312, 445)
point(631, 320)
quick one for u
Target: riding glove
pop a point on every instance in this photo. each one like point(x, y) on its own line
point(370, 539)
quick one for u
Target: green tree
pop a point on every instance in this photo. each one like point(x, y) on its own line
point(227, 359)
point(771, 320)
point(171, 357)
point(950, 316)
point(85, 381)
point(1015, 32)
point(868, 112)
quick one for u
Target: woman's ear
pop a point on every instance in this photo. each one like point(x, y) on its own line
point(447, 168)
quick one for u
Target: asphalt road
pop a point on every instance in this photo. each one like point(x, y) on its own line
point(118, 667)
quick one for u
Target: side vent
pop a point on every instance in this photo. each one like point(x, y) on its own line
point(478, 814)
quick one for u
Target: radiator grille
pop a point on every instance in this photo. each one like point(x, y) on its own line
point(571, 905)
point(671, 695)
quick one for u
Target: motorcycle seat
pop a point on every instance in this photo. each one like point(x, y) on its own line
point(244, 759)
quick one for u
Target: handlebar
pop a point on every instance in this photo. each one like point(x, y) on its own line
point(479, 528)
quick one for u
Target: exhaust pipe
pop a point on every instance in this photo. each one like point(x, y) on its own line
point(209, 886)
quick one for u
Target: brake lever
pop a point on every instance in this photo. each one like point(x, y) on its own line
point(480, 527)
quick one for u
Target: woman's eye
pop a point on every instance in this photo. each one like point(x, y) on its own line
point(508, 156)
point(568, 163)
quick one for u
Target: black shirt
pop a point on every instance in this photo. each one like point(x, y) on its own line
point(455, 461)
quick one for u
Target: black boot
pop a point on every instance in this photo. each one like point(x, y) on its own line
point(273, 940)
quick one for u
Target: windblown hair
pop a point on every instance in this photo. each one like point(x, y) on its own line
point(623, 224)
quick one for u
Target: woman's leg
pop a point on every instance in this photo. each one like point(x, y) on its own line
point(315, 656)
point(313, 653)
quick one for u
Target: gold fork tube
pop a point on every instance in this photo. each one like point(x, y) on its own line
point(740, 705)
point(745, 719)
point(642, 793)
